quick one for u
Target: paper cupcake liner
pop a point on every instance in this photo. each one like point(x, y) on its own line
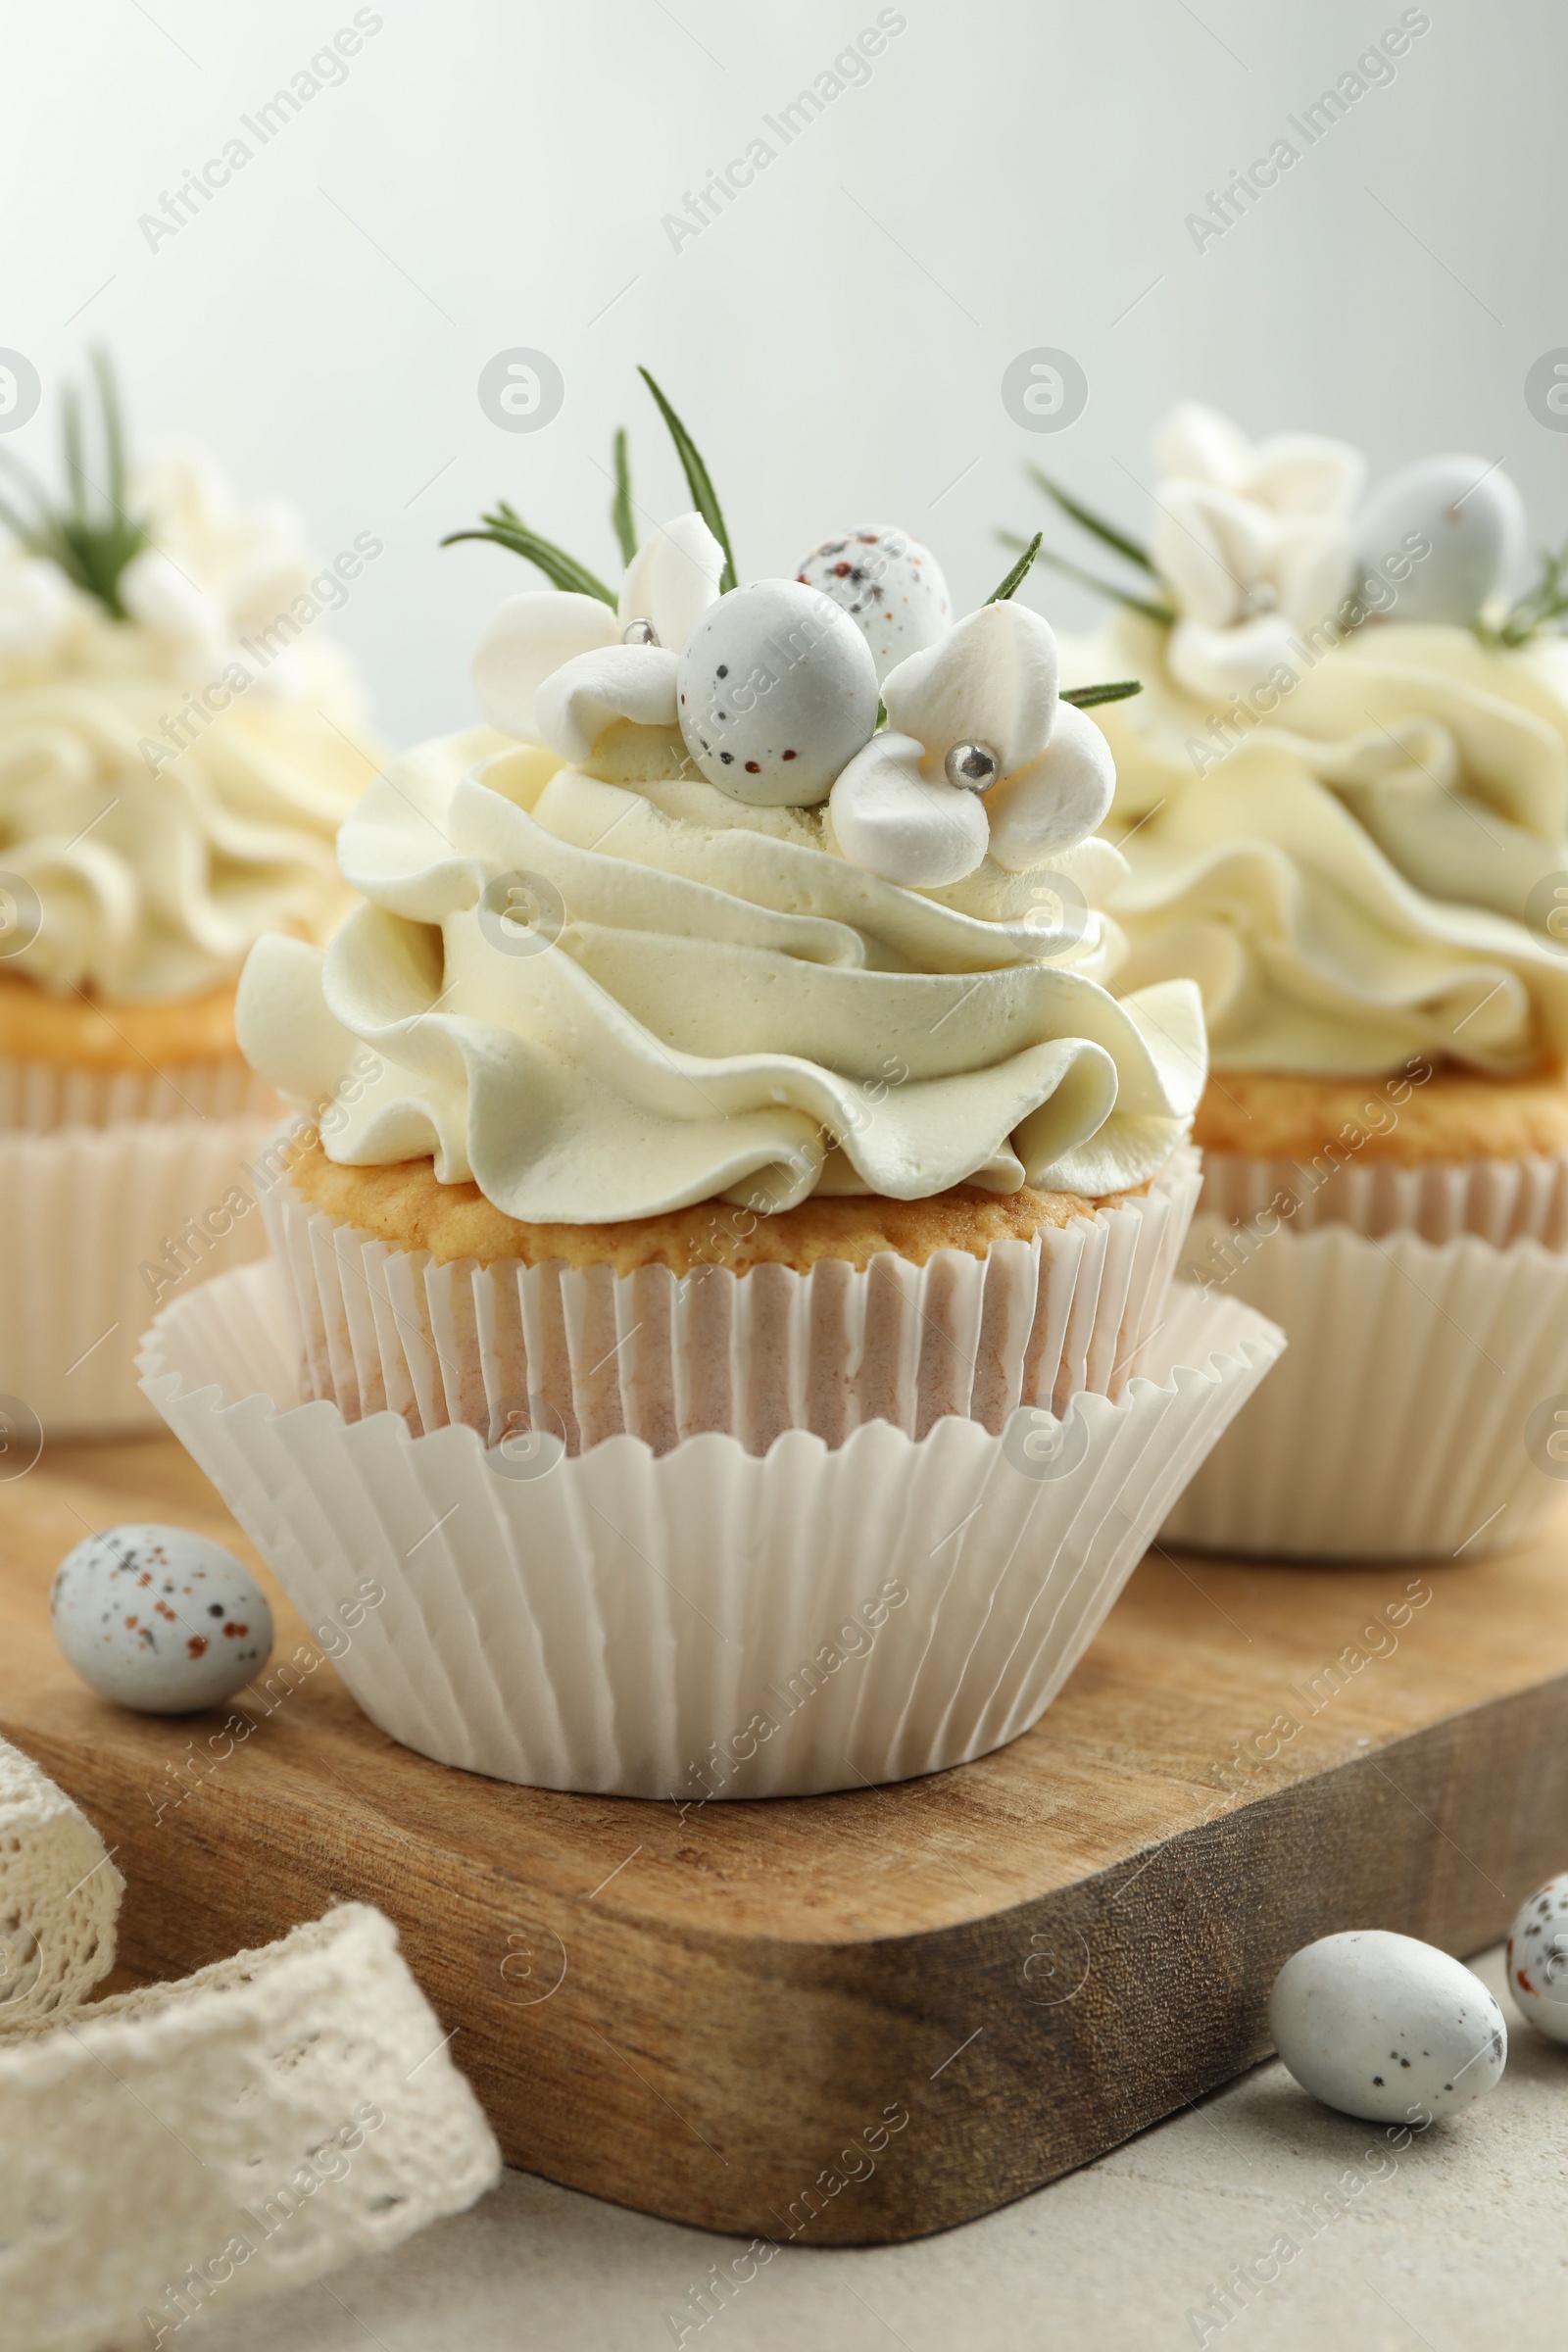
point(705, 1622)
point(1399, 1424)
point(588, 1355)
point(38, 1096)
point(1502, 1201)
point(97, 1227)
point(246, 2130)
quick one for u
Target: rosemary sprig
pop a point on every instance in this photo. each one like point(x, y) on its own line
point(1530, 614)
point(91, 537)
point(703, 496)
point(1088, 520)
point(1089, 697)
point(508, 529)
point(620, 514)
point(1145, 605)
point(1020, 572)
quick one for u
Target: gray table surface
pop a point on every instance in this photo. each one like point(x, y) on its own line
point(1458, 2241)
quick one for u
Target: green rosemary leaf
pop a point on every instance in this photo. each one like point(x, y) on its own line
point(620, 511)
point(1088, 520)
point(1088, 697)
point(75, 469)
point(113, 433)
point(1530, 614)
point(562, 571)
point(703, 498)
point(90, 538)
point(1121, 596)
point(1019, 572)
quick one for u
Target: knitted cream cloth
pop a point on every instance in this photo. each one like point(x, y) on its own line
point(59, 1897)
point(204, 2143)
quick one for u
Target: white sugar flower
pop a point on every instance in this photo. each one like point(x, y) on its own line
point(35, 607)
point(217, 571)
point(980, 756)
point(546, 633)
point(1252, 540)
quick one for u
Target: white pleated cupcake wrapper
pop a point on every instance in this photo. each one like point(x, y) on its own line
point(706, 1620)
point(1502, 1201)
point(587, 1355)
point(1398, 1425)
point(246, 2130)
point(82, 1211)
point(38, 1096)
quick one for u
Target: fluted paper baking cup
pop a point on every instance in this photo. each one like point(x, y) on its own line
point(97, 1226)
point(1502, 1201)
point(1399, 1424)
point(37, 1097)
point(587, 1355)
point(705, 1622)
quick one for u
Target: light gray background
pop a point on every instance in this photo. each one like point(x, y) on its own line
point(495, 173)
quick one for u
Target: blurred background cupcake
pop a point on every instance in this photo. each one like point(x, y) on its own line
point(177, 747)
point(1342, 800)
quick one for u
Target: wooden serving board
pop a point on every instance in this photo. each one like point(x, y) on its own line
point(864, 2016)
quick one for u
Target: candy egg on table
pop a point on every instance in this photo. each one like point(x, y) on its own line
point(1538, 1959)
point(1475, 521)
point(776, 692)
point(1385, 2028)
point(890, 587)
point(160, 1619)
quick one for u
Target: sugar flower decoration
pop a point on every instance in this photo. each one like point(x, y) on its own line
point(35, 607)
point(980, 756)
point(604, 660)
point(221, 572)
point(1252, 541)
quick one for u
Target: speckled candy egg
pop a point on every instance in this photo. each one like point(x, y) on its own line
point(890, 587)
point(776, 692)
point(159, 1619)
point(1385, 2028)
point(1538, 1959)
point(1475, 520)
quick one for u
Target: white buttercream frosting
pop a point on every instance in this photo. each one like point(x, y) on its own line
point(168, 790)
point(1347, 864)
point(711, 1000)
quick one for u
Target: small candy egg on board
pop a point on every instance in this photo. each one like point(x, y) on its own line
point(160, 1619)
point(1538, 1959)
point(890, 587)
point(776, 692)
point(1385, 2028)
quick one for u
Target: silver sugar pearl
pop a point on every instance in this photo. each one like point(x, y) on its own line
point(639, 632)
point(972, 766)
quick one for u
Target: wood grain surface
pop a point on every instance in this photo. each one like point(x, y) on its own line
point(864, 2016)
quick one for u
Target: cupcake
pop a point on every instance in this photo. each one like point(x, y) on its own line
point(696, 1027)
point(736, 1254)
point(1343, 802)
point(176, 751)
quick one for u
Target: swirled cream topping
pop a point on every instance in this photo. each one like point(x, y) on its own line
point(601, 999)
point(1359, 859)
point(172, 783)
